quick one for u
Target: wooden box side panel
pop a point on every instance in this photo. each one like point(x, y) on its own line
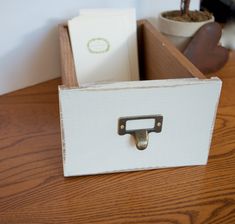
point(67, 63)
point(159, 59)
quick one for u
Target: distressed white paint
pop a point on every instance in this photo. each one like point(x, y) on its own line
point(29, 49)
point(89, 118)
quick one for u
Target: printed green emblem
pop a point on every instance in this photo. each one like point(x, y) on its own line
point(98, 45)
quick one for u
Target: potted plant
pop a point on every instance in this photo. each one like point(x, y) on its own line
point(180, 25)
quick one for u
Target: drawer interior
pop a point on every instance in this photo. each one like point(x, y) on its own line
point(158, 58)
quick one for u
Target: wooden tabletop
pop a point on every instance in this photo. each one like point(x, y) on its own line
point(33, 189)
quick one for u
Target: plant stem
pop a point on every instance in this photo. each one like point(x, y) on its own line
point(184, 7)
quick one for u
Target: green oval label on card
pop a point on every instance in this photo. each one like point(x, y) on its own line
point(98, 45)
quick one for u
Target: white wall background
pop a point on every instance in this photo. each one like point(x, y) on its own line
point(29, 46)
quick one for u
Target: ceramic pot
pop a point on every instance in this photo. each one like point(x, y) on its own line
point(180, 33)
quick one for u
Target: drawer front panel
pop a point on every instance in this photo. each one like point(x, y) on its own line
point(90, 120)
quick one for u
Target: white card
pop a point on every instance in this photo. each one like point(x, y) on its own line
point(101, 47)
point(130, 16)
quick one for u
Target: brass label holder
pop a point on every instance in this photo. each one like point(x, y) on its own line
point(141, 136)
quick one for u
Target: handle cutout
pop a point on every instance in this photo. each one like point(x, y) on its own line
point(140, 124)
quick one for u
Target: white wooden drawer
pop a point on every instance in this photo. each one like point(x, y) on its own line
point(90, 116)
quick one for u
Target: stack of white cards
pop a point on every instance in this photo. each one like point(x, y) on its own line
point(104, 45)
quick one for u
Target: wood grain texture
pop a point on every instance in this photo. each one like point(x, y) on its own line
point(159, 59)
point(33, 189)
point(67, 63)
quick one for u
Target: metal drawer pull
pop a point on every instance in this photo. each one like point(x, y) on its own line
point(141, 135)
